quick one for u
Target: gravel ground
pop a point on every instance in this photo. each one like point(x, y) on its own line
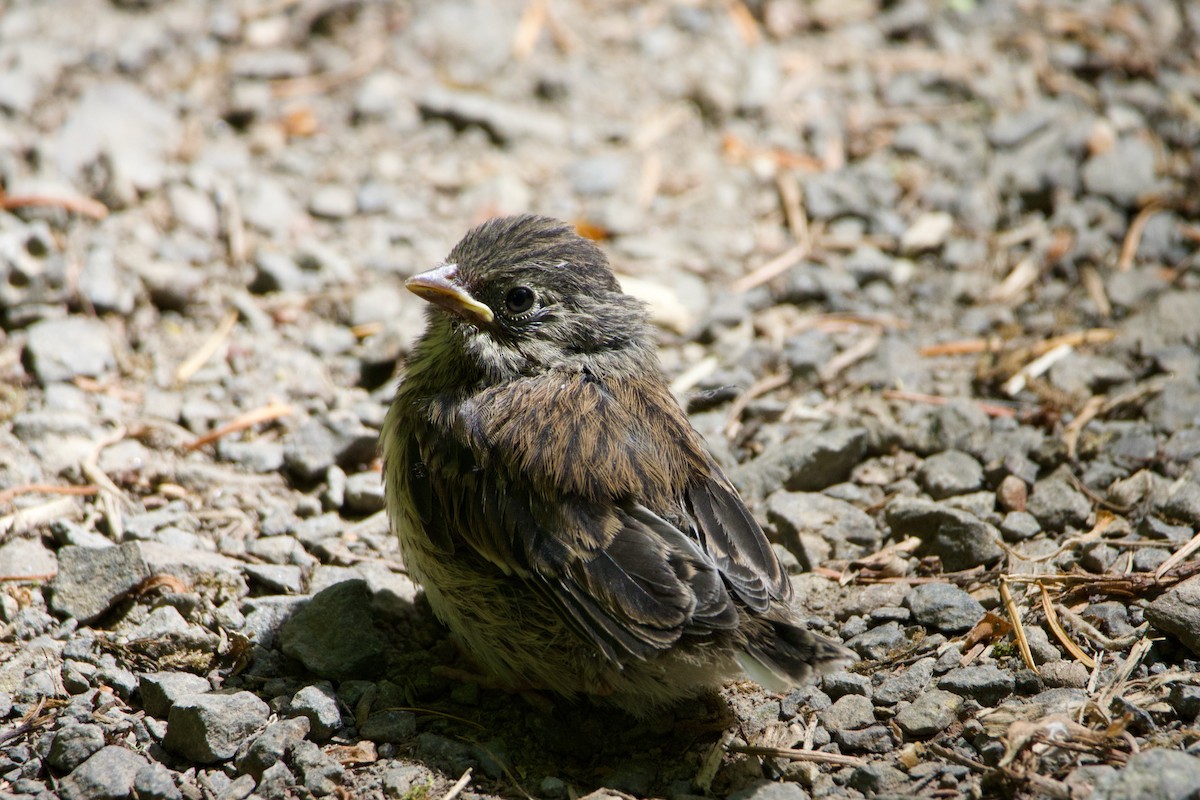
point(927, 276)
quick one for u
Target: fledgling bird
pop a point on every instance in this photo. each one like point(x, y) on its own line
point(564, 518)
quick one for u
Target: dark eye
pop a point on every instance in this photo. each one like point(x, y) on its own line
point(519, 299)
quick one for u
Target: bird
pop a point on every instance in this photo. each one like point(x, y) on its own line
point(566, 521)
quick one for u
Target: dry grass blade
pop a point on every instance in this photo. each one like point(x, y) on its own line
point(816, 756)
point(1094, 285)
point(1121, 676)
point(1178, 557)
point(529, 28)
point(744, 21)
point(1052, 620)
point(1016, 282)
point(851, 355)
point(1036, 368)
point(26, 518)
point(206, 351)
point(1014, 616)
point(1090, 409)
point(773, 268)
point(458, 786)
point(241, 422)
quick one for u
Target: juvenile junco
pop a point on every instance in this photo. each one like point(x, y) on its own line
point(565, 519)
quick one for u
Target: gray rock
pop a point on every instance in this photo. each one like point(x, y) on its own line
point(960, 539)
point(280, 550)
point(943, 607)
point(1064, 674)
point(950, 473)
point(91, 580)
point(318, 773)
point(271, 64)
point(849, 712)
point(269, 206)
point(106, 287)
point(319, 704)
point(815, 527)
point(503, 121)
point(840, 684)
point(907, 684)
point(877, 643)
point(803, 463)
point(1183, 502)
point(875, 739)
point(1177, 611)
point(74, 744)
point(27, 557)
point(407, 779)
point(194, 208)
point(154, 782)
point(160, 690)
point(1156, 774)
point(333, 202)
point(259, 455)
point(277, 781)
point(986, 683)
point(208, 728)
point(876, 778)
point(121, 124)
point(931, 713)
point(334, 636)
point(1018, 526)
point(1185, 699)
point(278, 272)
point(1058, 504)
point(276, 578)
point(269, 748)
point(389, 726)
point(380, 93)
point(62, 349)
point(1122, 174)
point(364, 493)
point(598, 175)
point(771, 790)
point(315, 446)
point(108, 775)
point(1183, 446)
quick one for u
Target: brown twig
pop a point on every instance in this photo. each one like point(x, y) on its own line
point(991, 409)
point(267, 413)
point(46, 488)
point(1133, 236)
point(84, 206)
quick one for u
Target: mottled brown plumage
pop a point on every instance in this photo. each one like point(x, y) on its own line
point(563, 516)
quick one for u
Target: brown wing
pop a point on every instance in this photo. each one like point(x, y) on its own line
point(625, 524)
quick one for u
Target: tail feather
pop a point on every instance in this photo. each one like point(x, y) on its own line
point(787, 655)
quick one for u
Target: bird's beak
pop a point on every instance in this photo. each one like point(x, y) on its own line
point(440, 286)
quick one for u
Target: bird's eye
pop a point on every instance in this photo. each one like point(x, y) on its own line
point(519, 299)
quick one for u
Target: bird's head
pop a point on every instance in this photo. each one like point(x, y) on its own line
point(524, 294)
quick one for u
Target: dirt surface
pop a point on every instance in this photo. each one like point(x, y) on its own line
point(927, 276)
